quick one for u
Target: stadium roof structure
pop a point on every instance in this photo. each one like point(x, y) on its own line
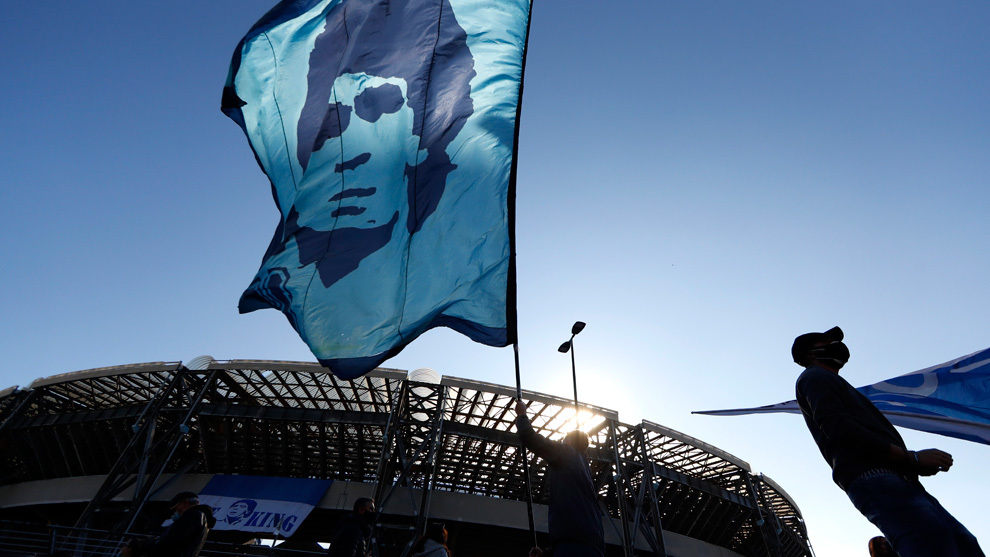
point(109, 442)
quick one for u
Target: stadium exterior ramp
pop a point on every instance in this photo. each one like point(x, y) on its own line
point(104, 448)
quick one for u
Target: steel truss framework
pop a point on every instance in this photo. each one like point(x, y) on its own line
point(136, 423)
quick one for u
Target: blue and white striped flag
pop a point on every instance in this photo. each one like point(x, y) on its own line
point(387, 129)
point(951, 399)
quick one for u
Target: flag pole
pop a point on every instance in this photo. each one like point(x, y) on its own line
point(511, 317)
point(529, 485)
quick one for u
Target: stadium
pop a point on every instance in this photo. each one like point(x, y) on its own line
point(91, 458)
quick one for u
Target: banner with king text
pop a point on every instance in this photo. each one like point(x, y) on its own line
point(261, 503)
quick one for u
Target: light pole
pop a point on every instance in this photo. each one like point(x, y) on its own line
point(569, 347)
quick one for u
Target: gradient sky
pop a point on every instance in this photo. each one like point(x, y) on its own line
point(698, 181)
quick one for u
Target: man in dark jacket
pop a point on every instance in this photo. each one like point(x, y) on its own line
point(353, 535)
point(575, 521)
point(869, 460)
point(191, 523)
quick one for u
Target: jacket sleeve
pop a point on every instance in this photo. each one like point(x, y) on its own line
point(550, 451)
point(827, 401)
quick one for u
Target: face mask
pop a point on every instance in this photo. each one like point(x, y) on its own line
point(175, 516)
point(835, 353)
point(369, 517)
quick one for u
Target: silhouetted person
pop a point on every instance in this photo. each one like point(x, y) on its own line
point(191, 523)
point(869, 460)
point(433, 543)
point(575, 522)
point(353, 535)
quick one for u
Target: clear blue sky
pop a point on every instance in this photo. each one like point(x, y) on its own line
point(698, 181)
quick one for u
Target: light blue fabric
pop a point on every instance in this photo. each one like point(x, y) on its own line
point(951, 399)
point(387, 130)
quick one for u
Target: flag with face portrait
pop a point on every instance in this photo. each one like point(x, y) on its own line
point(951, 399)
point(262, 503)
point(387, 129)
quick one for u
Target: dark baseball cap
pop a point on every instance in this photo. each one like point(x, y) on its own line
point(184, 496)
point(807, 341)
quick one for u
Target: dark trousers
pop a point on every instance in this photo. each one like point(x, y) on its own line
point(911, 519)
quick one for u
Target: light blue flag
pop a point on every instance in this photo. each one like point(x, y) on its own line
point(387, 129)
point(951, 399)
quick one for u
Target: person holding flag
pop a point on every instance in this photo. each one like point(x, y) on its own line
point(575, 522)
point(870, 460)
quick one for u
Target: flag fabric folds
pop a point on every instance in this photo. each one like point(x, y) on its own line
point(951, 399)
point(387, 129)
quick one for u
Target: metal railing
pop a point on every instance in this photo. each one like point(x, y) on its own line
point(22, 539)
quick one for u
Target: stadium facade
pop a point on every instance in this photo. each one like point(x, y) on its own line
point(94, 455)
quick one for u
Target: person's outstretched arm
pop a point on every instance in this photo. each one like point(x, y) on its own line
point(550, 451)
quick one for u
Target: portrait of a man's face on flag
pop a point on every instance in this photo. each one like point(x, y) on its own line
point(373, 134)
point(387, 129)
point(239, 511)
point(261, 503)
